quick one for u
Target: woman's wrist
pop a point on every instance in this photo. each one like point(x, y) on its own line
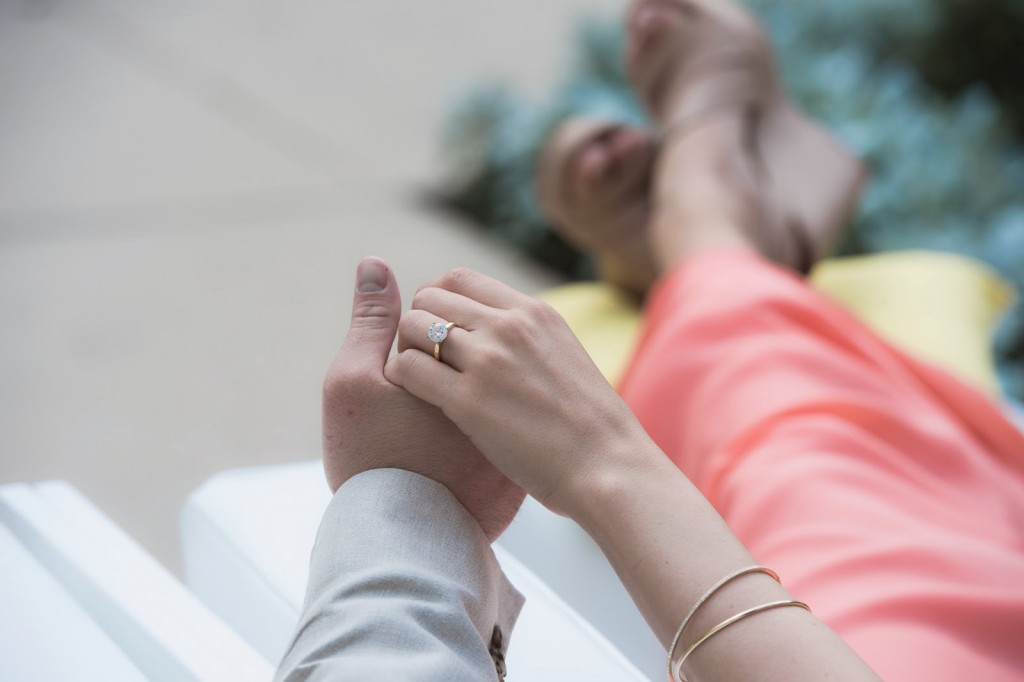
point(618, 478)
point(662, 536)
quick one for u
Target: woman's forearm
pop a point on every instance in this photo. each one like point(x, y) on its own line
point(517, 382)
point(669, 545)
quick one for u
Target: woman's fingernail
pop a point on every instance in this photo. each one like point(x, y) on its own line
point(371, 276)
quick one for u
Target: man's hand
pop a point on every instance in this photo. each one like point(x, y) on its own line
point(369, 423)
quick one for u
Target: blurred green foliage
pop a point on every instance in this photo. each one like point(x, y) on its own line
point(930, 92)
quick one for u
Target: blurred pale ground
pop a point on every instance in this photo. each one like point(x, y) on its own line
point(185, 188)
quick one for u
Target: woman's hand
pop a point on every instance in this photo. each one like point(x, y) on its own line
point(516, 381)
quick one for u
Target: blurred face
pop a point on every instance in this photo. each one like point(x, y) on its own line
point(593, 182)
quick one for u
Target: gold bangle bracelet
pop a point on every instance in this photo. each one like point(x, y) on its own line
point(735, 619)
point(707, 595)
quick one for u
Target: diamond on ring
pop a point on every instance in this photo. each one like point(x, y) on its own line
point(438, 332)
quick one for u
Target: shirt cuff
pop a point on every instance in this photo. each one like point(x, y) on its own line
point(403, 518)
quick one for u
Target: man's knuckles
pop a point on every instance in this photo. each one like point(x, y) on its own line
point(353, 382)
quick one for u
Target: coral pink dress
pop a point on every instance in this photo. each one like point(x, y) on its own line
point(887, 494)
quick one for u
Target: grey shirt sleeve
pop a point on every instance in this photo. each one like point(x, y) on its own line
point(403, 585)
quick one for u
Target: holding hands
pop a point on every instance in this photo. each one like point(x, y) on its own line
point(515, 402)
point(369, 423)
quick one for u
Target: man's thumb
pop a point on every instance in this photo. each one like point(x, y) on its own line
point(376, 309)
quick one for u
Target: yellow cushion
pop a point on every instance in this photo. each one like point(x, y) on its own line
point(939, 307)
point(604, 319)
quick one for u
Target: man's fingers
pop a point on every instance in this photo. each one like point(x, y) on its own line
point(429, 380)
point(376, 309)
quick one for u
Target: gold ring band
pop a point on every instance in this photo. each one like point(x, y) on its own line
point(437, 344)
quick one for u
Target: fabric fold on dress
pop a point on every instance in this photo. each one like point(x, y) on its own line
point(887, 493)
